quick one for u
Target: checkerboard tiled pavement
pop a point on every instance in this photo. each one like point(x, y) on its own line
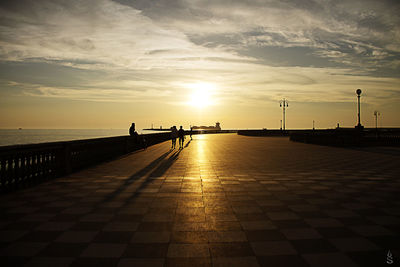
point(224, 200)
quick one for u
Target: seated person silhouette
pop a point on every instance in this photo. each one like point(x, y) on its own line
point(133, 133)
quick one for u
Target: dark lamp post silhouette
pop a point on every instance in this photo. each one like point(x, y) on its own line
point(376, 114)
point(358, 92)
point(284, 104)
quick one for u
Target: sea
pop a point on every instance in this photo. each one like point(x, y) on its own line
point(34, 136)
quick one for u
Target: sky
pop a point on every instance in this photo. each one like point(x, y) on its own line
point(105, 64)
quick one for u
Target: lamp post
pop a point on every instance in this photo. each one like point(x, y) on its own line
point(358, 92)
point(284, 104)
point(376, 114)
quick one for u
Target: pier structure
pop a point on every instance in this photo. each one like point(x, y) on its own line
point(223, 200)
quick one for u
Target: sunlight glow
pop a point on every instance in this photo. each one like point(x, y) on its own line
point(201, 95)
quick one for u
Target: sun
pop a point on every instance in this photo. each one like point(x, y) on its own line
point(200, 98)
point(201, 95)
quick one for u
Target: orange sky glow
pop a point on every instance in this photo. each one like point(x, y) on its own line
point(105, 64)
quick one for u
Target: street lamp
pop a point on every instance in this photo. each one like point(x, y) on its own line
point(359, 126)
point(376, 114)
point(284, 104)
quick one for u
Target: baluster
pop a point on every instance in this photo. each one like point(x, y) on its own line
point(33, 166)
point(10, 172)
point(16, 169)
point(7, 172)
point(23, 168)
point(36, 168)
point(29, 166)
point(48, 158)
point(45, 165)
point(53, 163)
point(40, 166)
point(3, 174)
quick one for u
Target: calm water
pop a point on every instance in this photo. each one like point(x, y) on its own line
point(31, 136)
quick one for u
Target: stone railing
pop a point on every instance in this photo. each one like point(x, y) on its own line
point(349, 137)
point(263, 132)
point(22, 165)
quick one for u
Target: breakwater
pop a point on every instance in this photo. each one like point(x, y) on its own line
point(263, 132)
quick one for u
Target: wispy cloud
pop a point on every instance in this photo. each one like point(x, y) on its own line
point(253, 51)
point(160, 34)
point(364, 30)
point(97, 94)
point(105, 33)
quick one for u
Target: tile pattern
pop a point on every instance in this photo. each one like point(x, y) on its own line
point(224, 200)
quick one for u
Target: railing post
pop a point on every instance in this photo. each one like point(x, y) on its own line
point(63, 160)
point(67, 158)
point(3, 175)
point(127, 145)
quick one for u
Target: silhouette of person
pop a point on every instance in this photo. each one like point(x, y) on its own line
point(174, 135)
point(133, 133)
point(181, 134)
point(191, 132)
point(132, 129)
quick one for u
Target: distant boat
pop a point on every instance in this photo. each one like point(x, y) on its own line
point(216, 127)
point(19, 128)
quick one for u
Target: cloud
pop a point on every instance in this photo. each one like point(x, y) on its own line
point(193, 34)
point(105, 33)
point(252, 50)
point(349, 28)
point(94, 94)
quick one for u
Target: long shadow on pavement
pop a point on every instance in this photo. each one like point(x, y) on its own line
point(137, 175)
point(159, 171)
point(165, 165)
point(160, 164)
point(187, 144)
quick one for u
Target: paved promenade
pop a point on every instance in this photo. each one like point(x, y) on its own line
point(224, 200)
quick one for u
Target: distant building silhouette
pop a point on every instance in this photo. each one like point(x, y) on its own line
point(216, 127)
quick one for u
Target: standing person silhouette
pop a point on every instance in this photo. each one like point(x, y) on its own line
point(174, 135)
point(191, 132)
point(181, 135)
